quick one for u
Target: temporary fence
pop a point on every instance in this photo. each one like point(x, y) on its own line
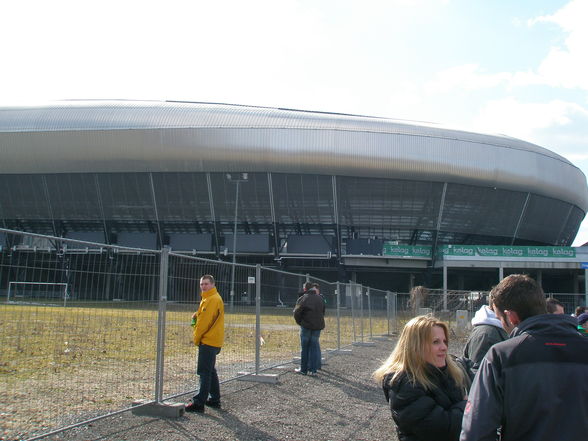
point(87, 329)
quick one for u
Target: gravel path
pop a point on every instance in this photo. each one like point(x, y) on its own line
point(341, 403)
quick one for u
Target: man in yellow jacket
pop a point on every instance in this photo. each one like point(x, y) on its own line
point(209, 334)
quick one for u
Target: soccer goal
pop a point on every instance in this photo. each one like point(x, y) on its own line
point(37, 292)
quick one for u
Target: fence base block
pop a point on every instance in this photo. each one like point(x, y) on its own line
point(382, 338)
point(363, 343)
point(341, 351)
point(259, 378)
point(296, 360)
point(166, 410)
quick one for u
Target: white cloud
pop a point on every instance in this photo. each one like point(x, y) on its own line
point(524, 120)
point(567, 66)
point(465, 77)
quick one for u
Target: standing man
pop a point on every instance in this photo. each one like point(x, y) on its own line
point(524, 384)
point(209, 333)
point(487, 331)
point(309, 313)
point(554, 306)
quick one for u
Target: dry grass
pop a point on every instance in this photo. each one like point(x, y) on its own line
point(60, 365)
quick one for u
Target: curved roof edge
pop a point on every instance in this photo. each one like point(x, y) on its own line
point(102, 136)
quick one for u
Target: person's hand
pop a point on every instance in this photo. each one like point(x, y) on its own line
point(193, 316)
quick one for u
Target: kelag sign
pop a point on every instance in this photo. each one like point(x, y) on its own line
point(413, 251)
point(394, 250)
point(507, 251)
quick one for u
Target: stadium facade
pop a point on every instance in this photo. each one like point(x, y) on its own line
point(338, 196)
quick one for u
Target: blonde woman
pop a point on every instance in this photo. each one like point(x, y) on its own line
point(426, 389)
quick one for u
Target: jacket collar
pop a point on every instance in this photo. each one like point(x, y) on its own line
point(210, 292)
point(546, 323)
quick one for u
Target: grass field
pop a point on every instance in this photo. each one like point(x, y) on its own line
point(88, 359)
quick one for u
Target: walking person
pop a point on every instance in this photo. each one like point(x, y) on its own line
point(309, 313)
point(209, 332)
point(534, 385)
point(425, 387)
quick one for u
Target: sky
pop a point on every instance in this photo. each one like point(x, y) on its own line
point(517, 68)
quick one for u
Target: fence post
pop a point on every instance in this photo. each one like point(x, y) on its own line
point(388, 311)
point(257, 316)
point(369, 300)
point(158, 408)
point(338, 316)
point(257, 376)
point(360, 294)
point(352, 296)
point(163, 273)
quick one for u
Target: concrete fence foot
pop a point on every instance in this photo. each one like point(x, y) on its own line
point(152, 409)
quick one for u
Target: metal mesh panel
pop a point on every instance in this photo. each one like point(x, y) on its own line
point(127, 196)
point(254, 200)
point(303, 199)
point(568, 233)
point(182, 197)
point(74, 196)
point(543, 220)
point(381, 206)
point(481, 210)
point(23, 197)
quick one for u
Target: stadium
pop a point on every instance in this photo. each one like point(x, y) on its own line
point(341, 197)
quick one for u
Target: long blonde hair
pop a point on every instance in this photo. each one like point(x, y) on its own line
point(409, 354)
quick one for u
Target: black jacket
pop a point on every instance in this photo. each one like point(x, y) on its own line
point(422, 415)
point(310, 311)
point(481, 339)
point(533, 385)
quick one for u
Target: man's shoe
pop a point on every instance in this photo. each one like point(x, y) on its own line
point(299, 371)
point(215, 404)
point(194, 407)
point(312, 374)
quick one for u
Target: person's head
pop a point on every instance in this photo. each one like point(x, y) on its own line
point(317, 288)
point(583, 320)
point(307, 286)
point(206, 282)
point(491, 299)
point(554, 306)
point(516, 298)
point(423, 341)
point(580, 310)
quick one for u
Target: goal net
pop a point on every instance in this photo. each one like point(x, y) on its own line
point(37, 292)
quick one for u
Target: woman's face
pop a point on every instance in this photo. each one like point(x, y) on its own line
point(436, 351)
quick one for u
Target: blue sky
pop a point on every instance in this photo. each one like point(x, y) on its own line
point(500, 66)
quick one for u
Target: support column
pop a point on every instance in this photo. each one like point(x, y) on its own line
point(444, 286)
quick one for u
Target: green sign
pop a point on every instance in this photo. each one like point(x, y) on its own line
point(508, 251)
point(393, 250)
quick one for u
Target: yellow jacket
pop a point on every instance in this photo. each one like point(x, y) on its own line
point(210, 320)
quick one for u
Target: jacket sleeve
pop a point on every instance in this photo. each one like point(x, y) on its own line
point(416, 412)
point(299, 310)
point(483, 413)
point(207, 314)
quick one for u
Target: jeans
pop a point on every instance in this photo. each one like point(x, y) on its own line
point(310, 350)
point(209, 384)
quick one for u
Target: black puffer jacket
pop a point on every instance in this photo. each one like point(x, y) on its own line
point(422, 415)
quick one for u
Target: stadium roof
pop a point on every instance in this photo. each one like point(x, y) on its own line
point(145, 136)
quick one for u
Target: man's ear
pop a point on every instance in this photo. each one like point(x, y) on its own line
point(513, 317)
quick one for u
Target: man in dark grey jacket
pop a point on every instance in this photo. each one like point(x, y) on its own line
point(487, 331)
point(534, 385)
point(309, 313)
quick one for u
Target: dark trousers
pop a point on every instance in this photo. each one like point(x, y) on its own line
point(209, 384)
